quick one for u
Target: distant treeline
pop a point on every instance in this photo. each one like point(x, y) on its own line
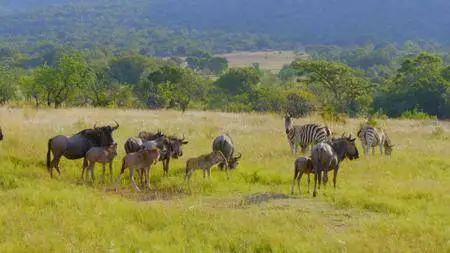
point(411, 79)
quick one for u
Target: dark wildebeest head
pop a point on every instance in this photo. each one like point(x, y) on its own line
point(101, 136)
point(175, 146)
point(1, 134)
point(345, 147)
point(149, 136)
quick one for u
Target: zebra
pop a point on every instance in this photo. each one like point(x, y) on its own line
point(371, 137)
point(304, 135)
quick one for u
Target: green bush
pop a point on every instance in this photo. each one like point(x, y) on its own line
point(416, 115)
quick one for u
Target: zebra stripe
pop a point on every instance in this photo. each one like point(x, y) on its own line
point(371, 137)
point(305, 135)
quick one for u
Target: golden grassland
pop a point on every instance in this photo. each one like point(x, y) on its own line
point(268, 60)
point(382, 204)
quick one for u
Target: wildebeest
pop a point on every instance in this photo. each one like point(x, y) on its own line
point(1, 134)
point(144, 158)
point(171, 146)
point(301, 165)
point(224, 144)
point(204, 162)
point(371, 137)
point(327, 156)
point(76, 146)
point(101, 155)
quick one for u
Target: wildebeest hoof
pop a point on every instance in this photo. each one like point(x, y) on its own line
point(314, 194)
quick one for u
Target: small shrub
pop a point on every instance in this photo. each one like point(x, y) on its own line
point(297, 105)
point(416, 115)
point(329, 114)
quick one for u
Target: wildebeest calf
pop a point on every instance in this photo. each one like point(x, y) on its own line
point(142, 159)
point(302, 165)
point(101, 155)
point(205, 162)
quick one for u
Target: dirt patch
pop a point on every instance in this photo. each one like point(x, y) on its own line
point(148, 195)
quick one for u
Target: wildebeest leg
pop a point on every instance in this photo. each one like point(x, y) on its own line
point(148, 176)
point(132, 180)
point(92, 172)
point(320, 177)
point(110, 172)
point(381, 149)
point(209, 173)
point(335, 171)
point(204, 173)
point(296, 172)
point(309, 180)
point(82, 172)
point(316, 174)
point(166, 168)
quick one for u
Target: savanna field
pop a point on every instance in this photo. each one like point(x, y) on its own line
point(382, 204)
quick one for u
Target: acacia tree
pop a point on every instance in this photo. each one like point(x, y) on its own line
point(336, 80)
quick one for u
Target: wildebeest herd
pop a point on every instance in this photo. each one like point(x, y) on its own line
point(96, 145)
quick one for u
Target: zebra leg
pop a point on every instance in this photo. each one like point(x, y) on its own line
point(381, 149)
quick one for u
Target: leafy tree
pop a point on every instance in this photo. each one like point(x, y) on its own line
point(7, 85)
point(238, 80)
point(217, 65)
point(337, 80)
point(421, 83)
point(62, 82)
point(127, 69)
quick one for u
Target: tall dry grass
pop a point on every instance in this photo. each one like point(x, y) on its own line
point(382, 204)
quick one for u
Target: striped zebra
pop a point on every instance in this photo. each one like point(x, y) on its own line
point(304, 135)
point(371, 137)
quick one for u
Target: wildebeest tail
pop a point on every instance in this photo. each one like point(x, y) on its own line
point(49, 144)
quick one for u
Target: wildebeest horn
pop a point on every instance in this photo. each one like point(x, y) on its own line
point(239, 156)
point(182, 139)
point(95, 125)
point(117, 125)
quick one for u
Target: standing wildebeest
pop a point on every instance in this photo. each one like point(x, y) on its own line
point(371, 137)
point(224, 144)
point(144, 158)
point(304, 135)
point(76, 146)
point(171, 147)
point(301, 165)
point(327, 156)
point(1, 134)
point(101, 155)
point(204, 162)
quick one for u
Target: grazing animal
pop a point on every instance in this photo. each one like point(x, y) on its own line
point(171, 147)
point(144, 158)
point(224, 144)
point(328, 156)
point(101, 155)
point(76, 146)
point(304, 135)
point(301, 165)
point(371, 137)
point(205, 162)
point(1, 134)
